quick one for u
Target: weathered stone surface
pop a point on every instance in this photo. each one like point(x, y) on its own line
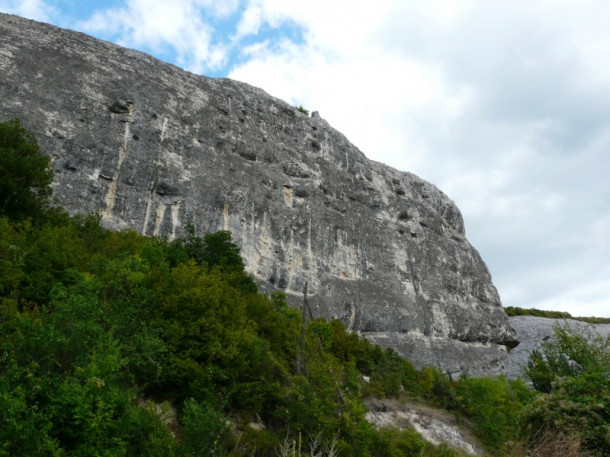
point(152, 147)
point(532, 331)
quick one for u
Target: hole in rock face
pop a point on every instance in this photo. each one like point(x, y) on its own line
point(248, 155)
point(282, 283)
point(403, 216)
point(301, 193)
point(120, 107)
point(166, 189)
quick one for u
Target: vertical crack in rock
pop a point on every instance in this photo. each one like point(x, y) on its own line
point(414, 279)
point(159, 220)
point(154, 178)
point(225, 217)
point(352, 317)
point(175, 219)
point(111, 194)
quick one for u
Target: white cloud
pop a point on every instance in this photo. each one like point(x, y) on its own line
point(184, 27)
point(33, 9)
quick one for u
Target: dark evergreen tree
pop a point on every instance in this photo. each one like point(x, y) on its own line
point(25, 186)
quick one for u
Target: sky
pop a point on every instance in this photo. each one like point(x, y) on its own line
point(504, 105)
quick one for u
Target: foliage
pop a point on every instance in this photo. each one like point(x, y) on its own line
point(303, 110)
point(64, 389)
point(204, 430)
point(92, 321)
point(573, 372)
point(214, 250)
point(26, 177)
point(390, 442)
point(494, 406)
point(516, 311)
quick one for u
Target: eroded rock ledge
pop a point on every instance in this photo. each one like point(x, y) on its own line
point(152, 147)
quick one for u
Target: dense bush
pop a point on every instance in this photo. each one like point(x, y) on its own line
point(573, 372)
point(494, 405)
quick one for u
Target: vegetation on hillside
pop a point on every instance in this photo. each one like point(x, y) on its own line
point(516, 311)
point(115, 344)
point(573, 372)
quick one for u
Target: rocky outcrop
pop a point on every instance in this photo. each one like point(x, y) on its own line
point(436, 426)
point(152, 147)
point(533, 331)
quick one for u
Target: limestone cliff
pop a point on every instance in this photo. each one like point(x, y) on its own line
point(152, 147)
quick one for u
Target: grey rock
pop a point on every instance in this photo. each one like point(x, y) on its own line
point(533, 331)
point(152, 147)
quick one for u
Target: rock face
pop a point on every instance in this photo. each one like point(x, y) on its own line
point(152, 147)
point(532, 331)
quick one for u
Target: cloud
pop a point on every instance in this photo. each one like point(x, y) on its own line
point(38, 10)
point(183, 27)
point(504, 105)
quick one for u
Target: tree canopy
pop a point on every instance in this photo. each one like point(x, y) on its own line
point(25, 183)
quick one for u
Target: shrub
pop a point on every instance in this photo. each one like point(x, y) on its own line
point(573, 372)
point(204, 430)
point(494, 406)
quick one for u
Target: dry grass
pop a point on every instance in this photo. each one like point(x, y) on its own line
point(317, 448)
point(551, 444)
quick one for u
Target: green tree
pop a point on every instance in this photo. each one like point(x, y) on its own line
point(25, 186)
point(493, 405)
point(204, 430)
point(214, 250)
